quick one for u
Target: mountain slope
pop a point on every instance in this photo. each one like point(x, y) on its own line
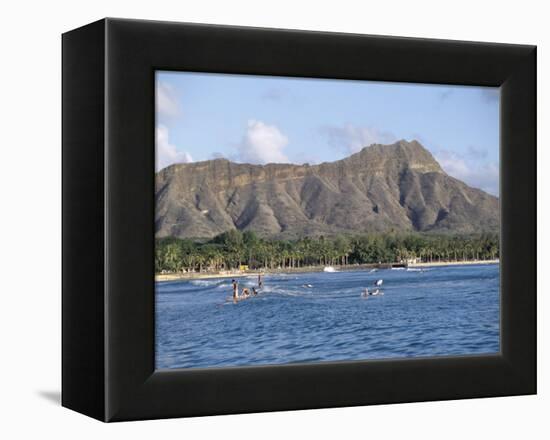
point(398, 186)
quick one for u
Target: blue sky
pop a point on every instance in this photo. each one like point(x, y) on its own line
point(262, 119)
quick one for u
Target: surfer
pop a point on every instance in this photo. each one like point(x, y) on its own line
point(254, 291)
point(235, 290)
point(367, 293)
point(260, 282)
point(246, 292)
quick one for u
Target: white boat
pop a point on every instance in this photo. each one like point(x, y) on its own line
point(329, 269)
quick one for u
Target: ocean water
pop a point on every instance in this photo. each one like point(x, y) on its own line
point(440, 311)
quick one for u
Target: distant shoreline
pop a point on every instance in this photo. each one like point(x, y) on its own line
point(310, 269)
point(453, 263)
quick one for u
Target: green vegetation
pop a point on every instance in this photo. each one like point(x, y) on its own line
point(232, 249)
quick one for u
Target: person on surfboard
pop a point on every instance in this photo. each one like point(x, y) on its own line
point(235, 290)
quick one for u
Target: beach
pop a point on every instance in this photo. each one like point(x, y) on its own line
point(453, 263)
point(235, 274)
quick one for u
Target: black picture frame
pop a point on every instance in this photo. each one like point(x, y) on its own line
point(108, 219)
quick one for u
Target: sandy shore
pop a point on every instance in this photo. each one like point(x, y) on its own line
point(453, 263)
point(237, 274)
point(200, 276)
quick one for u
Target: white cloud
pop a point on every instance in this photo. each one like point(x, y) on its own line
point(477, 153)
point(262, 143)
point(351, 138)
point(166, 153)
point(166, 100)
point(484, 176)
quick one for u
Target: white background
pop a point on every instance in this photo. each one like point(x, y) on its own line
point(30, 189)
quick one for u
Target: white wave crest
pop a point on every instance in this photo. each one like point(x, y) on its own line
point(204, 283)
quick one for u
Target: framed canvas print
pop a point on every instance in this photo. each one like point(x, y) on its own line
point(262, 220)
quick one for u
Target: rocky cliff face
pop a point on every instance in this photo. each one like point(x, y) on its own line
point(398, 186)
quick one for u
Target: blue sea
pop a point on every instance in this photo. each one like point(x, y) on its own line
point(438, 311)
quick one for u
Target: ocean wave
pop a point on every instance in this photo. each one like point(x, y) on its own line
point(204, 283)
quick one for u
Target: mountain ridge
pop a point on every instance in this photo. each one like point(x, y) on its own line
point(398, 186)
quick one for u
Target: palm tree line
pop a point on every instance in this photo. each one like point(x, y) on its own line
point(235, 249)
